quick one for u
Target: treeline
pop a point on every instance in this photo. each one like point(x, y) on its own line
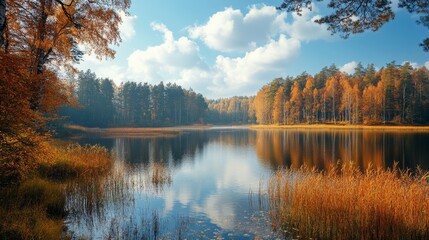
point(103, 104)
point(393, 94)
point(237, 110)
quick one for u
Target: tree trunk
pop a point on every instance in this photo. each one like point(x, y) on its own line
point(2, 21)
point(41, 54)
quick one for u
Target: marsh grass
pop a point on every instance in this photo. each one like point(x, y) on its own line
point(160, 176)
point(345, 203)
point(74, 161)
point(127, 132)
point(35, 208)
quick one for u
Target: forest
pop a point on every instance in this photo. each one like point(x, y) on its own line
point(103, 104)
point(395, 94)
point(46, 183)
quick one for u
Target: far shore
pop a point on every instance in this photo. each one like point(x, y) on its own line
point(343, 126)
point(136, 132)
point(150, 132)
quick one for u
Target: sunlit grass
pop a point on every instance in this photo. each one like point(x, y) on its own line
point(345, 203)
point(137, 132)
point(74, 161)
point(35, 208)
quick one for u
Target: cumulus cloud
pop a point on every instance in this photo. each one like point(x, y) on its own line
point(179, 61)
point(230, 30)
point(243, 75)
point(126, 28)
point(427, 64)
point(349, 68)
point(166, 61)
point(266, 42)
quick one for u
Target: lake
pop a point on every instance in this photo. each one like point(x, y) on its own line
point(210, 184)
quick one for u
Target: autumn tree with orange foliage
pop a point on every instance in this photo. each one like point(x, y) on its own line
point(394, 94)
point(38, 39)
point(278, 108)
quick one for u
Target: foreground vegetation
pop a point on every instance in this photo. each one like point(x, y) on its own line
point(344, 203)
point(35, 207)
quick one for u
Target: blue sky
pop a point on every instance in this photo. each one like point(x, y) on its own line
point(232, 48)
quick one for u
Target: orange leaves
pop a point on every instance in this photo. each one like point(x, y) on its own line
point(278, 106)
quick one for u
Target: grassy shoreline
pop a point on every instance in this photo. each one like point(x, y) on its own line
point(345, 203)
point(344, 127)
point(177, 130)
point(138, 132)
point(35, 207)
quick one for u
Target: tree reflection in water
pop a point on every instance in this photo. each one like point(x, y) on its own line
point(198, 183)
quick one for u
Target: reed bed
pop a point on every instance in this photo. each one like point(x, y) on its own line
point(35, 207)
point(160, 175)
point(75, 161)
point(345, 203)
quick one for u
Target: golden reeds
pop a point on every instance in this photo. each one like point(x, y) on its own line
point(35, 208)
point(345, 203)
point(74, 160)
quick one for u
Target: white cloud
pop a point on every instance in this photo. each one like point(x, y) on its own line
point(166, 61)
point(245, 75)
point(304, 28)
point(126, 28)
point(179, 61)
point(266, 42)
point(229, 30)
point(427, 64)
point(349, 68)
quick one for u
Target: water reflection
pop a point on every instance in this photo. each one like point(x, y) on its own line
point(197, 184)
point(322, 148)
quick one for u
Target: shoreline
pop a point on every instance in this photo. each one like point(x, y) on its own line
point(134, 132)
point(150, 132)
point(344, 127)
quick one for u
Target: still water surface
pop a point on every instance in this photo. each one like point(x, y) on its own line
point(205, 184)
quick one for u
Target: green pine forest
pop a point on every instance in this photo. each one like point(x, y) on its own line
point(394, 94)
point(103, 104)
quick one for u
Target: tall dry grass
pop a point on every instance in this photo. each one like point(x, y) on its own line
point(345, 203)
point(74, 161)
point(35, 207)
